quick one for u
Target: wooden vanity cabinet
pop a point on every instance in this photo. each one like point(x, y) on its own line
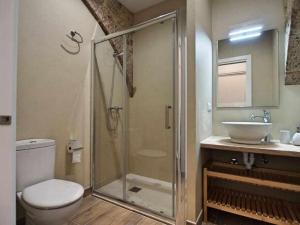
point(262, 207)
point(259, 207)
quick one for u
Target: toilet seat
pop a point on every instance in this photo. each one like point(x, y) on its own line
point(52, 194)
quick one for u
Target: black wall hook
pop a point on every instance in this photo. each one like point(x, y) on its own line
point(72, 37)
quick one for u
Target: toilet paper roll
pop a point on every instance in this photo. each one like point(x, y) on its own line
point(76, 156)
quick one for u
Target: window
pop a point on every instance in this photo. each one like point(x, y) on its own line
point(234, 85)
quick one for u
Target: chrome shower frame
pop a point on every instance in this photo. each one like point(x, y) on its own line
point(179, 74)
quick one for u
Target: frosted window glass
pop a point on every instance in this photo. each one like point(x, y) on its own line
point(232, 84)
point(232, 89)
point(233, 68)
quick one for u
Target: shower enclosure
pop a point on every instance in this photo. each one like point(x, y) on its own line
point(135, 116)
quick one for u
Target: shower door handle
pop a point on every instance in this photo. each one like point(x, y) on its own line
point(167, 116)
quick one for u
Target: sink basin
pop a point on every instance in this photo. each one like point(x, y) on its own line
point(247, 132)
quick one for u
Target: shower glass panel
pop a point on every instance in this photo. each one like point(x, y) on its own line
point(150, 119)
point(108, 117)
point(134, 118)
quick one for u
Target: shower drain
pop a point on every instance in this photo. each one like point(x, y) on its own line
point(135, 189)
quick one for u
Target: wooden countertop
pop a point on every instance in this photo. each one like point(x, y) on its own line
point(273, 148)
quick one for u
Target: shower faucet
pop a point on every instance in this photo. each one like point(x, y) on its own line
point(115, 108)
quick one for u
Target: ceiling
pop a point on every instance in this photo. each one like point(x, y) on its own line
point(138, 5)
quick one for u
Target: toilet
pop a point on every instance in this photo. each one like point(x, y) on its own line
point(46, 201)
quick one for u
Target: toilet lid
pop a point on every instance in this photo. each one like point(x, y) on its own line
point(52, 193)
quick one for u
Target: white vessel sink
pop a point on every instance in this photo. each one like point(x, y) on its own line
point(247, 132)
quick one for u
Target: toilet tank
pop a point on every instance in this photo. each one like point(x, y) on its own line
point(35, 159)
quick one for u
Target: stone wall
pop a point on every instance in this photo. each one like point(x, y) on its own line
point(293, 54)
point(113, 17)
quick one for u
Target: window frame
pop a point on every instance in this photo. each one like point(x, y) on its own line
point(231, 60)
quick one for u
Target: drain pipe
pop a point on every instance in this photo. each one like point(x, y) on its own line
point(248, 160)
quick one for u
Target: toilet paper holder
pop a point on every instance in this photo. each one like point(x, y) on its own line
point(74, 145)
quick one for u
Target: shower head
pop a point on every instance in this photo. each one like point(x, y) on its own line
point(116, 54)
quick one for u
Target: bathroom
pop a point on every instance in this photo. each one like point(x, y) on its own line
point(122, 114)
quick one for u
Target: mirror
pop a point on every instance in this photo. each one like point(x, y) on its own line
point(247, 69)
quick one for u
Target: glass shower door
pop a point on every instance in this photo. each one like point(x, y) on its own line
point(150, 128)
point(108, 120)
point(133, 122)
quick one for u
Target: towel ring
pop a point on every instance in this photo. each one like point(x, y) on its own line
point(78, 40)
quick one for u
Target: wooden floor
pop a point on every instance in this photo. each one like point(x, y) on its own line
point(95, 211)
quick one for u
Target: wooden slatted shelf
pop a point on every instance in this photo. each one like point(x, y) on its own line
point(257, 207)
point(258, 176)
point(253, 206)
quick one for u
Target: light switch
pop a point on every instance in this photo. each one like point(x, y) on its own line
point(209, 107)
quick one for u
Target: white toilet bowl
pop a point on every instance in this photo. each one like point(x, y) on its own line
point(50, 202)
point(47, 201)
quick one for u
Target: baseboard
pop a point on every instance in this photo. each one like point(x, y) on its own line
point(88, 191)
point(198, 220)
point(21, 221)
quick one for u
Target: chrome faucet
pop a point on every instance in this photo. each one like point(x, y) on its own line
point(266, 117)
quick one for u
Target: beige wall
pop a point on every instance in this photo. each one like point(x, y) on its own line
point(54, 86)
point(199, 90)
point(159, 9)
point(229, 14)
point(286, 116)
point(150, 144)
